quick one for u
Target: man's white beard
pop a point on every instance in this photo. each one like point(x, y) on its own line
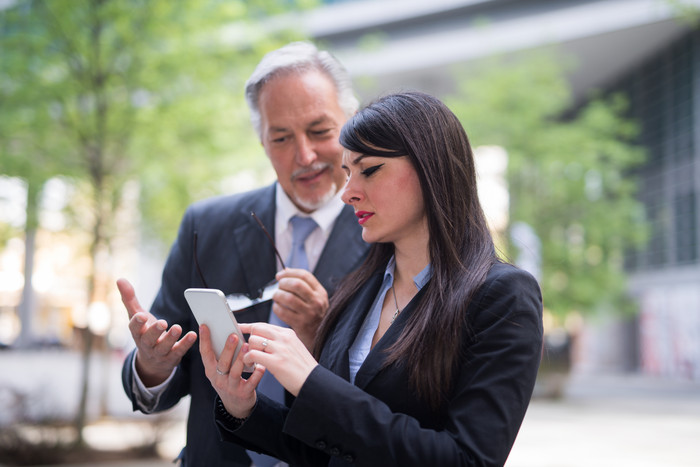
point(311, 205)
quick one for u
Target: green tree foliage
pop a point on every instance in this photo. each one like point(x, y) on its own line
point(569, 175)
point(108, 90)
point(103, 92)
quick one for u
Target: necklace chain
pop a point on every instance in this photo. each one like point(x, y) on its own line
point(396, 303)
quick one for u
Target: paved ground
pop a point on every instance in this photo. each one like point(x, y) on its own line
point(613, 420)
point(602, 420)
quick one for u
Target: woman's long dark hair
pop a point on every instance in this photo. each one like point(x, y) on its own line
point(461, 248)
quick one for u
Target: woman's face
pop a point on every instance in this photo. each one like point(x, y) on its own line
point(387, 197)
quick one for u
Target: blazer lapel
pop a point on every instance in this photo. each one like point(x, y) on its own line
point(375, 360)
point(256, 255)
point(344, 251)
point(335, 355)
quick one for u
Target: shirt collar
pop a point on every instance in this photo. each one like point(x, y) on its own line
point(419, 279)
point(323, 216)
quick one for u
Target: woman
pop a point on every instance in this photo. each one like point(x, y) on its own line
point(429, 352)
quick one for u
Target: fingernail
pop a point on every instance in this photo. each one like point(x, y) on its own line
point(140, 319)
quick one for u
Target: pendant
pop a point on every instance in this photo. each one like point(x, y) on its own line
point(396, 313)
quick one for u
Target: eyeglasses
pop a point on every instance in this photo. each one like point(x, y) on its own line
point(269, 238)
point(241, 301)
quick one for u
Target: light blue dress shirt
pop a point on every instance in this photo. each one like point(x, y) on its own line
point(363, 342)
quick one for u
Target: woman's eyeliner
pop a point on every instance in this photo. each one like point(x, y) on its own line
point(370, 170)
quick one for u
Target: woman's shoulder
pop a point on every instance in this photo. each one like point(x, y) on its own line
point(510, 290)
point(507, 273)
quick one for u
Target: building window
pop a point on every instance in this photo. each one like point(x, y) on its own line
point(685, 214)
point(661, 93)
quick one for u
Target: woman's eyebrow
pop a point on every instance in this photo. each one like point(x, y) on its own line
point(358, 159)
point(354, 161)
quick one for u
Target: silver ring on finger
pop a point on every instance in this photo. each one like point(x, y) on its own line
point(264, 344)
point(222, 373)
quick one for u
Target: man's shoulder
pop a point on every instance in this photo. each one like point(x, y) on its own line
point(226, 205)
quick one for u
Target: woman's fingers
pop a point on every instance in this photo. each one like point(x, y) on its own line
point(256, 376)
point(259, 343)
point(281, 352)
point(260, 329)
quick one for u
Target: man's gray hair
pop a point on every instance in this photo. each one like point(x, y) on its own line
point(298, 57)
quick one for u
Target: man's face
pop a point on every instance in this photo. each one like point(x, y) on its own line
point(300, 125)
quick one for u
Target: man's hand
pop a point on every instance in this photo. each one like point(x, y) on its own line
point(159, 350)
point(301, 302)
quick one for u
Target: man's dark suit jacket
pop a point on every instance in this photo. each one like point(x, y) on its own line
point(380, 420)
point(234, 256)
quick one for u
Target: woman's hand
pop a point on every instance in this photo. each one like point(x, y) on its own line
point(236, 393)
point(281, 352)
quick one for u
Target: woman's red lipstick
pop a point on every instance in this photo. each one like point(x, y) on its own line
point(363, 216)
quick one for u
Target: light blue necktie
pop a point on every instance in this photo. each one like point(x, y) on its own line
point(301, 229)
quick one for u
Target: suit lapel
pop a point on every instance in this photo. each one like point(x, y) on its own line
point(257, 257)
point(335, 354)
point(344, 250)
point(375, 360)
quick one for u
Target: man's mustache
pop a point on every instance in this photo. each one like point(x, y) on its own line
point(317, 167)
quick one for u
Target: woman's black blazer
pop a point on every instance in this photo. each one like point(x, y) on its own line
point(380, 421)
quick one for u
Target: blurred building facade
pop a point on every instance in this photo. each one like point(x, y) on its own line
point(647, 48)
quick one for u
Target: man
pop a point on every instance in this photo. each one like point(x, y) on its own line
point(299, 99)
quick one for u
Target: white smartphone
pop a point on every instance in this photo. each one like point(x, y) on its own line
point(210, 307)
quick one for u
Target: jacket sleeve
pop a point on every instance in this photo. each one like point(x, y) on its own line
point(484, 413)
point(263, 432)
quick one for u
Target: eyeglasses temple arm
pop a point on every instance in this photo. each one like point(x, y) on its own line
point(269, 238)
point(196, 261)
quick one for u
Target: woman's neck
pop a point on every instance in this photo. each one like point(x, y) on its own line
point(410, 260)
